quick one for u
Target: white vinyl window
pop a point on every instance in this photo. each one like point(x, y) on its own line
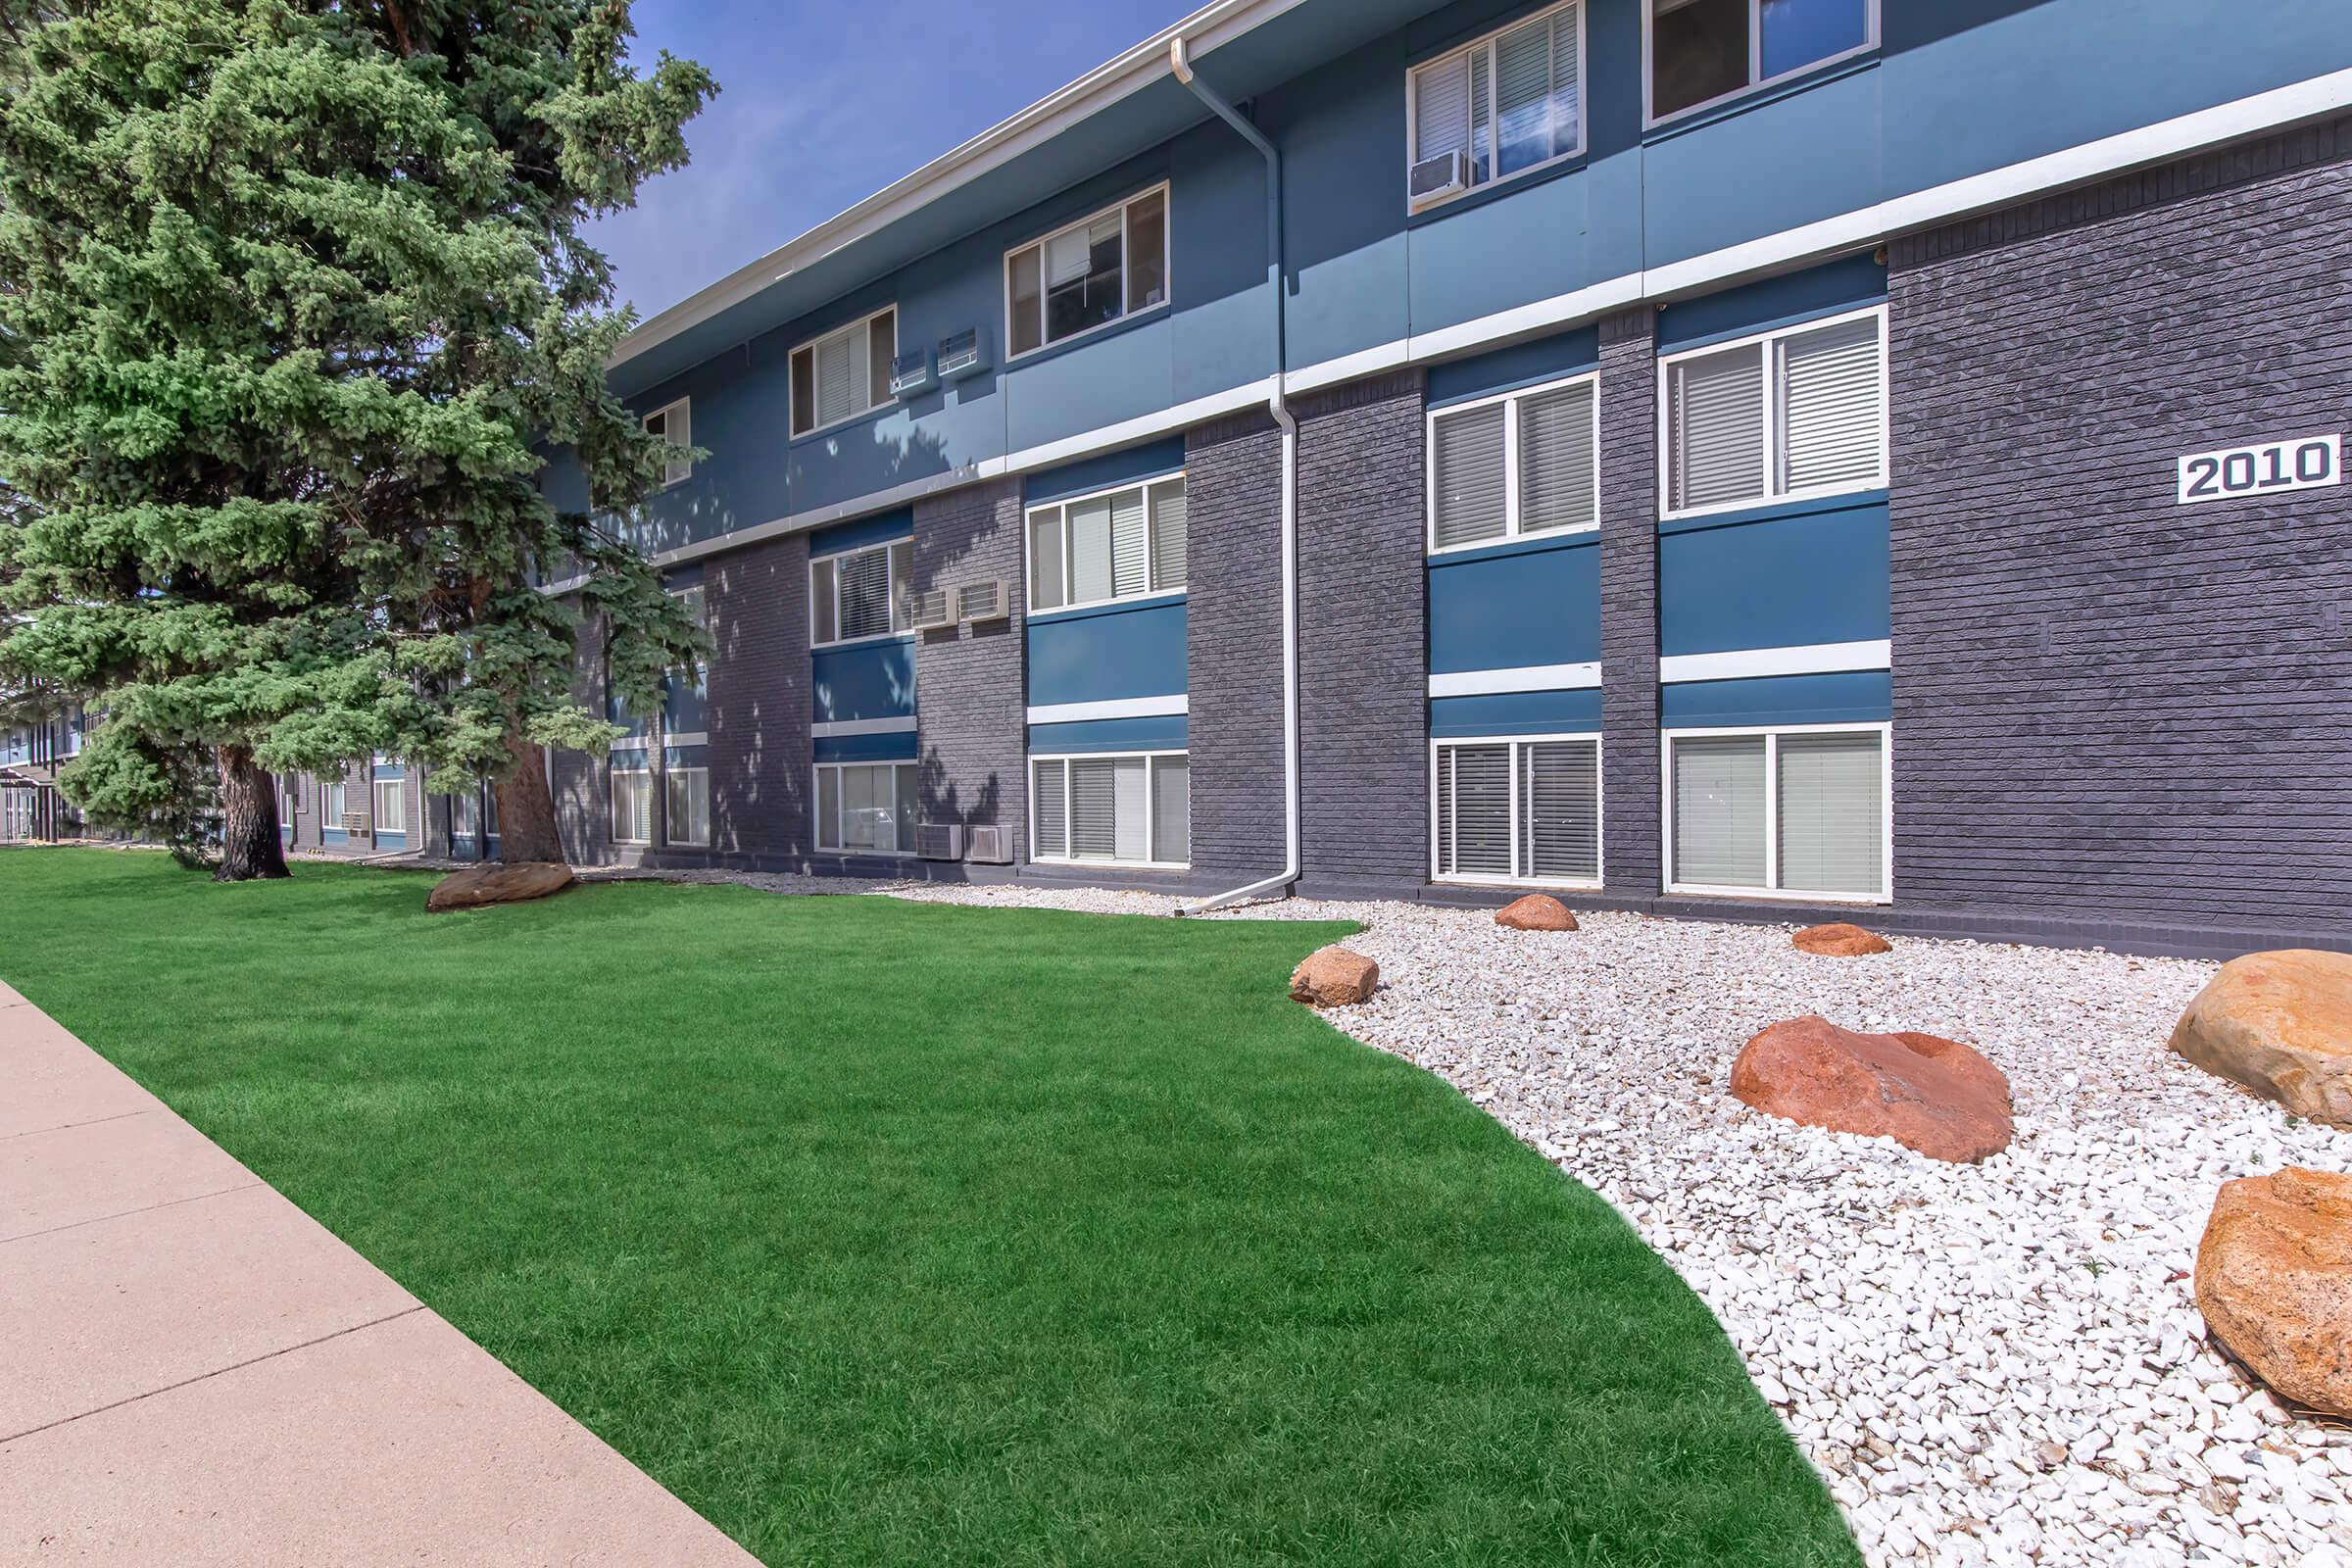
point(1088, 275)
point(390, 815)
point(1782, 415)
point(673, 422)
point(633, 797)
point(1507, 103)
point(1121, 808)
point(1703, 52)
point(1516, 810)
point(330, 806)
point(1524, 463)
point(687, 799)
point(1120, 544)
point(1793, 811)
point(867, 808)
point(843, 373)
point(861, 594)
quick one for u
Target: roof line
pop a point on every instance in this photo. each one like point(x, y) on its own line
point(1212, 25)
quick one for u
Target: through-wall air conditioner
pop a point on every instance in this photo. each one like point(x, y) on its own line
point(910, 372)
point(940, 841)
point(358, 822)
point(984, 601)
point(1434, 180)
point(961, 353)
point(991, 846)
point(931, 610)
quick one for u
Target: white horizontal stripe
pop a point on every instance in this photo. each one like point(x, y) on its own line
point(839, 728)
point(1818, 659)
point(1118, 707)
point(1525, 679)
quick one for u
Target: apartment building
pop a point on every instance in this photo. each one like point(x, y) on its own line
point(31, 751)
point(1748, 457)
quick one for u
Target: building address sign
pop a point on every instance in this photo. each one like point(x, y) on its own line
point(2310, 463)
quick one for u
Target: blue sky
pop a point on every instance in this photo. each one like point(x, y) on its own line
point(823, 103)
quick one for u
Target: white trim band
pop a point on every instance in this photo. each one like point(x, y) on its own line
point(841, 728)
point(1118, 707)
point(1525, 679)
point(1818, 659)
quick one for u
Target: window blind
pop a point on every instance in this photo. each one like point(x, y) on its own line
point(1050, 781)
point(1441, 108)
point(1557, 473)
point(823, 626)
point(1131, 809)
point(1718, 427)
point(1168, 540)
point(1471, 504)
point(1832, 833)
point(1130, 557)
point(1094, 808)
point(1559, 803)
point(1719, 811)
point(1172, 809)
point(1473, 805)
point(901, 586)
point(1830, 381)
point(837, 376)
point(632, 806)
point(864, 593)
point(1090, 571)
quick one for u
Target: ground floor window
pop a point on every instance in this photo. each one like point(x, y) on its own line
point(1132, 808)
point(1782, 811)
point(632, 798)
point(330, 807)
point(391, 815)
point(1515, 810)
point(867, 808)
point(686, 798)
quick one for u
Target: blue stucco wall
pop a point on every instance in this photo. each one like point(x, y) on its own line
point(1100, 656)
point(863, 680)
point(1514, 606)
point(1570, 712)
point(1781, 577)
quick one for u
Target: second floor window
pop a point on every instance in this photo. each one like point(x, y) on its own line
point(862, 593)
point(1506, 104)
point(1122, 545)
point(1521, 463)
point(1088, 274)
point(671, 422)
point(1702, 51)
point(1797, 413)
point(843, 373)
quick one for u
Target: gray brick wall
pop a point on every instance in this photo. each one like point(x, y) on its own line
point(582, 787)
point(759, 751)
point(1363, 661)
point(969, 684)
point(1234, 569)
point(2109, 708)
point(1629, 605)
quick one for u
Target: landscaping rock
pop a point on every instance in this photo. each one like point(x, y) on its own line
point(1334, 977)
point(2279, 1023)
point(1536, 912)
point(2274, 1282)
point(481, 885)
point(1841, 941)
point(1933, 1095)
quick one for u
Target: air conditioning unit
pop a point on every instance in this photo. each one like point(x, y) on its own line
point(940, 841)
point(931, 610)
point(961, 354)
point(984, 601)
point(909, 373)
point(358, 822)
point(1435, 179)
point(991, 846)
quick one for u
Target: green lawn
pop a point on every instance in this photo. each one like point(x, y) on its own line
point(886, 1233)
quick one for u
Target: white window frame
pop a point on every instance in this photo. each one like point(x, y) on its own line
point(1150, 829)
point(1600, 807)
point(1771, 735)
point(1063, 505)
point(375, 804)
point(792, 409)
point(889, 577)
point(677, 428)
point(333, 799)
point(817, 834)
point(1124, 207)
point(652, 775)
point(1757, 79)
point(1513, 502)
point(1494, 175)
point(1775, 417)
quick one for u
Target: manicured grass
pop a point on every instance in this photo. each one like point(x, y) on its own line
point(886, 1233)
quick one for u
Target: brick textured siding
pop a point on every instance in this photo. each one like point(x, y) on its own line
point(1629, 605)
point(759, 751)
point(2109, 708)
point(1233, 513)
point(969, 681)
point(1363, 663)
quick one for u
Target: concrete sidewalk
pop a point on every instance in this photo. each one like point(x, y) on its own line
point(193, 1371)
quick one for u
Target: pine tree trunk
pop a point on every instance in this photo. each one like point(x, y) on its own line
point(249, 850)
point(526, 807)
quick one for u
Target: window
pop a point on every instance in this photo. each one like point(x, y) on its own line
point(1123, 544)
point(391, 815)
point(867, 808)
point(1088, 274)
point(1800, 811)
point(1510, 102)
point(671, 422)
point(1517, 810)
point(862, 593)
point(1524, 464)
point(843, 373)
point(1703, 51)
point(1797, 413)
point(1132, 808)
point(330, 806)
point(633, 797)
point(686, 779)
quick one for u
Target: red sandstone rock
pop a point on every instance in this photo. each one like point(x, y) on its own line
point(1840, 941)
point(1536, 912)
point(2279, 1023)
point(1935, 1096)
point(481, 885)
point(1334, 978)
point(2274, 1282)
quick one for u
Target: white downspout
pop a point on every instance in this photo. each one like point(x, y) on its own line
point(1276, 405)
